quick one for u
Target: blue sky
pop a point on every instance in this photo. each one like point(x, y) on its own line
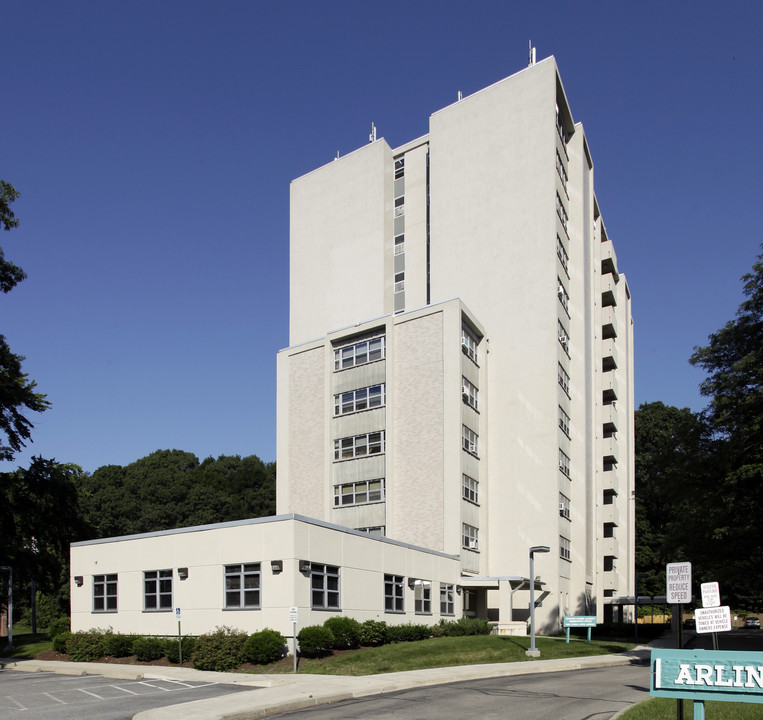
point(153, 144)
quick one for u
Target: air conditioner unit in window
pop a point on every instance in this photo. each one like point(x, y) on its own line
point(465, 392)
point(464, 344)
point(561, 508)
point(473, 544)
point(472, 448)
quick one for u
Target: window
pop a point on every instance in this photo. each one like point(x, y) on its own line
point(564, 421)
point(422, 597)
point(399, 244)
point(399, 206)
point(560, 127)
point(324, 586)
point(376, 530)
point(561, 212)
point(564, 462)
point(361, 399)
point(393, 594)
point(399, 282)
point(564, 338)
point(561, 253)
point(399, 168)
point(357, 493)
point(564, 380)
point(105, 593)
point(242, 586)
point(468, 393)
point(447, 601)
point(564, 506)
point(564, 549)
point(469, 343)
point(470, 488)
point(470, 536)
point(359, 446)
point(609, 563)
point(561, 171)
point(469, 440)
point(564, 298)
point(359, 353)
point(157, 590)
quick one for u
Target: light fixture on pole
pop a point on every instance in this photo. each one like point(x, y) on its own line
point(533, 651)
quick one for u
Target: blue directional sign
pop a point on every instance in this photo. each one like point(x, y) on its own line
point(707, 675)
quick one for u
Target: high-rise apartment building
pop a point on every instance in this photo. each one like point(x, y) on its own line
point(460, 368)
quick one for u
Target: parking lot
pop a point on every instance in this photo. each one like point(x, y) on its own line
point(47, 696)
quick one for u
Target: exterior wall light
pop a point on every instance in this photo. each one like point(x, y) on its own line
point(79, 580)
point(276, 566)
point(183, 573)
point(304, 566)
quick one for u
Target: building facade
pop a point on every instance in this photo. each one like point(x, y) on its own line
point(460, 369)
point(458, 388)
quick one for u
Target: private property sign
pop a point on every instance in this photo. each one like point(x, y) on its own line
point(678, 577)
point(707, 675)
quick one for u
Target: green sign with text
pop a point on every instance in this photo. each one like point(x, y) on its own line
point(570, 621)
point(707, 675)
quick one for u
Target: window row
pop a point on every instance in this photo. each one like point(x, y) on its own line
point(394, 596)
point(561, 253)
point(564, 549)
point(469, 440)
point(399, 282)
point(564, 506)
point(561, 171)
point(400, 206)
point(241, 589)
point(358, 493)
point(361, 399)
point(399, 168)
point(359, 353)
point(399, 244)
point(468, 393)
point(359, 446)
point(469, 343)
point(470, 488)
point(471, 536)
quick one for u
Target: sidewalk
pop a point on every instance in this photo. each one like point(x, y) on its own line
point(278, 693)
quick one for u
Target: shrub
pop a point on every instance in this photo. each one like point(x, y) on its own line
point(86, 646)
point(265, 646)
point(47, 609)
point(465, 626)
point(408, 632)
point(172, 649)
point(58, 626)
point(315, 641)
point(59, 641)
point(373, 633)
point(221, 650)
point(147, 649)
point(119, 645)
point(346, 632)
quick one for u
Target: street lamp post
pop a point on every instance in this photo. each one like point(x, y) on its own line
point(10, 605)
point(533, 651)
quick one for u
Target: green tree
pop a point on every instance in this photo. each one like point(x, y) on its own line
point(733, 503)
point(17, 391)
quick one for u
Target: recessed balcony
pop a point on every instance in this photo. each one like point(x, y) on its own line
point(610, 480)
point(608, 322)
point(610, 580)
point(608, 355)
point(609, 449)
point(609, 387)
point(610, 546)
point(609, 418)
point(610, 514)
point(609, 259)
point(608, 290)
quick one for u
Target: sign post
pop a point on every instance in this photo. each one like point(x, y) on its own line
point(586, 621)
point(180, 637)
point(678, 577)
point(293, 617)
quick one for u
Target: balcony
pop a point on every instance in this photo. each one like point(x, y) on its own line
point(608, 290)
point(610, 546)
point(610, 514)
point(610, 580)
point(608, 355)
point(611, 481)
point(609, 449)
point(609, 259)
point(608, 322)
point(609, 387)
point(609, 418)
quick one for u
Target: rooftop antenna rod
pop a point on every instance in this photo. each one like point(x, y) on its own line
point(372, 136)
point(530, 54)
point(460, 96)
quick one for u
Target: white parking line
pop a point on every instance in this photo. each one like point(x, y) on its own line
point(156, 687)
point(119, 687)
point(13, 700)
point(53, 697)
point(87, 692)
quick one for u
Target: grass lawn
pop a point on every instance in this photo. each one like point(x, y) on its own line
point(25, 645)
point(445, 651)
point(665, 709)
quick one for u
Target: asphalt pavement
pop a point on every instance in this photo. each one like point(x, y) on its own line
point(272, 694)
